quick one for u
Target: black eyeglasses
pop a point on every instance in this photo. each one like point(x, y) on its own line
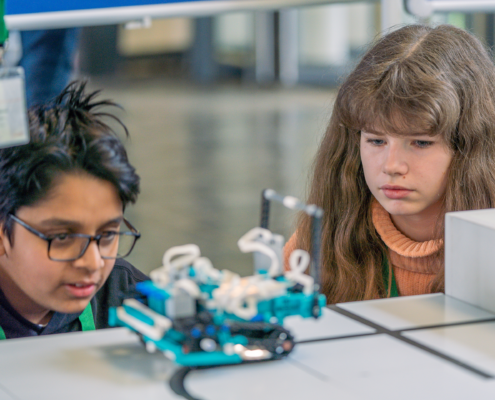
point(72, 246)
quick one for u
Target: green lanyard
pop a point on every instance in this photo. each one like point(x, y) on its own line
point(393, 290)
point(86, 319)
point(4, 33)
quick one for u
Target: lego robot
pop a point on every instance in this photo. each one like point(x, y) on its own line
point(199, 316)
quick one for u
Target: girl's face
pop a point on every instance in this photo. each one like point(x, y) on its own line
point(406, 174)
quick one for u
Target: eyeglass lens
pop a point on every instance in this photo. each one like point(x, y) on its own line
point(112, 244)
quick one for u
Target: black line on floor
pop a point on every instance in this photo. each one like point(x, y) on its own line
point(325, 339)
point(422, 328)
point(348, 314)
point(316, 374)
point(176, 383)
point(397, 335)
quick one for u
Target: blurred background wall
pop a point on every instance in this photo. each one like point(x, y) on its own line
point(222, 107)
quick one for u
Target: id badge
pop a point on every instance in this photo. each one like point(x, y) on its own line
point(14, 128)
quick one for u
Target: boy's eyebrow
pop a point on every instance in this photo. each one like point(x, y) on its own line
point(60, 222)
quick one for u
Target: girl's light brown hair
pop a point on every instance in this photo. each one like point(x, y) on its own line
point(439, 80)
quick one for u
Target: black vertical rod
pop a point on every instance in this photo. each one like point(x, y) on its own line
point(316, 214)
point(316, 257)
point(265, 210)
point(316, 248)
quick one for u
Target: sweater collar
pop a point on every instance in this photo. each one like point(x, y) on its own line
point(396, 240)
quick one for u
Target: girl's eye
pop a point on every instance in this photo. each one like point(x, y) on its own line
point(422, 144)
point(376, 142)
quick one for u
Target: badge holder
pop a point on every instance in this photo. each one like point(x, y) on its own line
point(14, 129)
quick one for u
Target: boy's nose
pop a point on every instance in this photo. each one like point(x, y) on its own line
point(395, 161)
point(91, 259)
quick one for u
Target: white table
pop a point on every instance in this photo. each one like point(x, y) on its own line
point(400, 313)
point(421, 347)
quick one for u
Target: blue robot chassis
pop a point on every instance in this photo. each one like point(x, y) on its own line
point(199, 316)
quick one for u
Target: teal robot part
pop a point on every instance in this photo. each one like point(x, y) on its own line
point(198, 316)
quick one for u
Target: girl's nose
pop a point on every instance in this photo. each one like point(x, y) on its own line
point(395, 160)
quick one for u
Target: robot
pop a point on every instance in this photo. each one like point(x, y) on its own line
point(199, 316)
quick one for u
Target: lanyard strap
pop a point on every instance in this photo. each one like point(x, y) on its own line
point(4, 33)
point(386, 272)
point(86, 319)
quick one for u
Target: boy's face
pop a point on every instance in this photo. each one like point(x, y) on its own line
point(34, 284)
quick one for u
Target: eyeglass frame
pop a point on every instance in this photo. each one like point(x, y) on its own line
point(134, 232)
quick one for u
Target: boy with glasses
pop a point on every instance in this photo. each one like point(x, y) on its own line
point(62, 229)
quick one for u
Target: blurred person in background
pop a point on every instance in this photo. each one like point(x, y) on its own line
point(48, 58)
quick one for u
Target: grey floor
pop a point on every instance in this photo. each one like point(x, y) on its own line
point(205, 154)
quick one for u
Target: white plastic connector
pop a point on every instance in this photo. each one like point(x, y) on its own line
point(189, 287)
point(290, 202)
point(160, 277)
point(185, 254)
point(247, 244)
point(240, 296)
point(205, 271)
point(171, 269)
point(299, 262)
point(156, 331)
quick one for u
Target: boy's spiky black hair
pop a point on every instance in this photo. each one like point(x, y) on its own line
point(67, 135)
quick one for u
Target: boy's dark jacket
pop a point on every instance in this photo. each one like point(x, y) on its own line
point(121, 279)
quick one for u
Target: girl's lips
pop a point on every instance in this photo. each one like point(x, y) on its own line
point(81, 290)
point(395, 192)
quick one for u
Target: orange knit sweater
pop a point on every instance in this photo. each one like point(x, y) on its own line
point(414, 263)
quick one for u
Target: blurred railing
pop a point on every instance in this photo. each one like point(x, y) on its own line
point(424, 8)
point(34, 14)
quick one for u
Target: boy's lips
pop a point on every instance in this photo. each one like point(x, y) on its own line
point(395, 191)
point(82, 289)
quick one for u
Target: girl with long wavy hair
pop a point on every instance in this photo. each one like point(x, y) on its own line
point(411, 137)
